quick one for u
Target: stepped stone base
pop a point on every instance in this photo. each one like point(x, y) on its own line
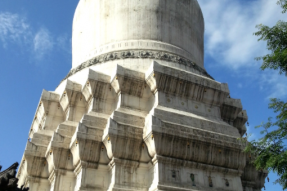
point(158, 128)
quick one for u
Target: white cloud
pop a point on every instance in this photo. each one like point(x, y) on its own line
point(251, 134)
point(229, 40)
point(230, 26)
point(269, 82)
point(16, 29)
point(42, 43)
point(274, 84)
point(13, 28)
point(64, 43)
point(239, 85)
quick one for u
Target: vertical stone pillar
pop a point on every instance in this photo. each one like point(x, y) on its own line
point(87, 175)
point(62, 180)
point(88, 150)
point(60, 165)
point(128, 175)
point(252, 179)
point(154, 172)
point(33, 172)
point(37, 184)
point(73, 102)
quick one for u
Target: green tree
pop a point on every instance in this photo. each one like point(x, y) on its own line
point(283, 4)
point(271, 150)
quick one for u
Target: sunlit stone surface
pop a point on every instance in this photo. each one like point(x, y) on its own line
point(138, 111)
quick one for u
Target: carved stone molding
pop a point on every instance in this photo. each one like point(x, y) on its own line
point(123, 141)
point(194, 150)
point(230, 109)
point(72, 101)
point(35, 160)
point(195, 165)
point(178, 118)
point(133, 54)
point(185, 84)
point(129, 82)
point(253, 178)
point(48, 115)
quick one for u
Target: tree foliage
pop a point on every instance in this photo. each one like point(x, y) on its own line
point(271, 150)
point(276, 38)
point(283, 4)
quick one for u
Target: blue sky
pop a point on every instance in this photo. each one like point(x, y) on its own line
point(35, 54)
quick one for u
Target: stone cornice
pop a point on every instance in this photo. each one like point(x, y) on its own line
point(133, 54)
point(196, 165)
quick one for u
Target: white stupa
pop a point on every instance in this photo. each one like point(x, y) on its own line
point(138, 111)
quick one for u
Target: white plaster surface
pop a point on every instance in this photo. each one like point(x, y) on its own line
point(108, 25)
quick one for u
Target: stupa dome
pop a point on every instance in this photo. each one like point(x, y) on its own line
point(172, 26)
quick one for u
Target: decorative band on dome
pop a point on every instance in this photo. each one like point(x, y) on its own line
point(134, 54)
